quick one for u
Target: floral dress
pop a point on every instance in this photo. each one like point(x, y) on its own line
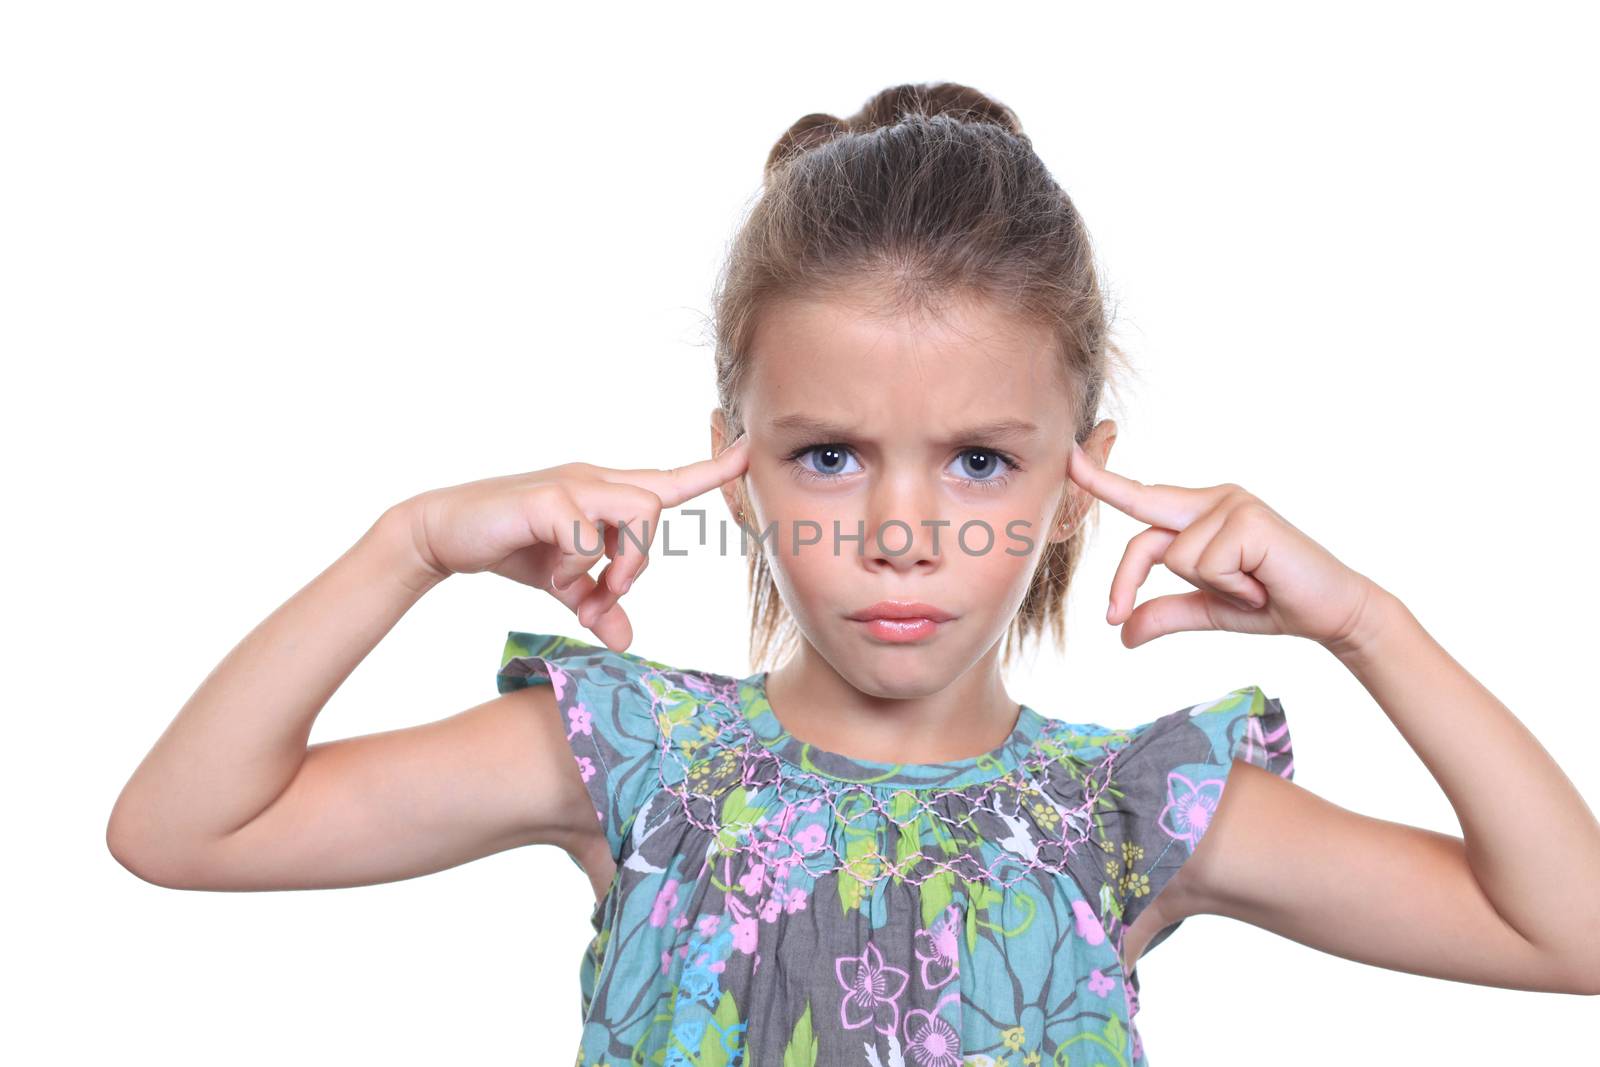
point(776, 904)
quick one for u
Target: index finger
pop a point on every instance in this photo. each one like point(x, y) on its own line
point(1173, 507)
point(690, 480)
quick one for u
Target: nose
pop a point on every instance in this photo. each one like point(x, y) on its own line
point(905, 528)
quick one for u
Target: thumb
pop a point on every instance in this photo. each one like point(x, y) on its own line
point(1174, 613)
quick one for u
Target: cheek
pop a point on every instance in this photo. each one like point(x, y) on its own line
point(781, 505)
point(1003, 566)
point(817, 574)
point(1020, 526)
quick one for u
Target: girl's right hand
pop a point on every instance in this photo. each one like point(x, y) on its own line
point(529, 528)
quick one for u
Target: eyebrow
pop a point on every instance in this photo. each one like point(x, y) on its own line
point(822, 429)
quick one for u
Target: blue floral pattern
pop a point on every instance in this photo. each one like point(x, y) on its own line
point(776, 903)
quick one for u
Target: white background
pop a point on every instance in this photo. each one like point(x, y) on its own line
point(268, 269)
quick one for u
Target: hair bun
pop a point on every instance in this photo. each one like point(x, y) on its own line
point(807, 132)
point(888, 107)
point(961, 102)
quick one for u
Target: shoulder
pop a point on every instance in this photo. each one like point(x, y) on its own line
point(1243, 723)
point(621, 695)
point(634, 725)
point(532, 658)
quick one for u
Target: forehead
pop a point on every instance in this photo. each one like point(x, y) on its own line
point(968, 362)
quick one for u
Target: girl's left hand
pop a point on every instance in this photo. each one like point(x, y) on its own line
point(1256, 573)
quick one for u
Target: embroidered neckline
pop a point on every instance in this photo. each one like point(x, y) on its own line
point(770, 732)
point(744, 746)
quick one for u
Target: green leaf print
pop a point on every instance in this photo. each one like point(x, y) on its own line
point(862, 850)
point(1114, 1032)
point(936, 896)
point(943, 837)
point(905, 811)
point(1109, 904)
point(860, 868)
point(723, 1034)
point(515, 648)
point(802, 1047)
point(738, 816)
point(1112, 1038)
point(980, 895)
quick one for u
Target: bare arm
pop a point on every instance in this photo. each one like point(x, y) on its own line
point(1512, 903)
point(231, 797)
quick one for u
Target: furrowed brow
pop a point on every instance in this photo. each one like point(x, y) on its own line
point(809, 426)
point(997, 430)
point(802, 425)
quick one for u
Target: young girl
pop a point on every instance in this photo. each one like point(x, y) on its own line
point(872, 854)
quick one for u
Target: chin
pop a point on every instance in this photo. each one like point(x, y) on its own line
point(897, 671)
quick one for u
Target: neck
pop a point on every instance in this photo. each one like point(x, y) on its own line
point(898, 717)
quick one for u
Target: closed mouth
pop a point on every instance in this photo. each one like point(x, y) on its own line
point(898, 609)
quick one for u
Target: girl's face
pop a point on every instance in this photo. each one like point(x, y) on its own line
point(904, 432)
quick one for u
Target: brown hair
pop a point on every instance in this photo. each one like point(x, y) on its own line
point(929, 193)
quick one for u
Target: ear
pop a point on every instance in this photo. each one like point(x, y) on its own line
point(1105, 435)
point(731, 491)
point(1075, 508)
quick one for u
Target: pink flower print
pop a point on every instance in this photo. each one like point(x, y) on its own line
point(932, 1041)
point(558, 679)
point(869, 984)
point(744, 934)
point(750, 881)
point(1088, 923)
point(796, 901)
point(771, 907)
point(585, 767)
point(666, 960)
point(937, 949)
point(809, 840)
point(666, 900)
point(680, 921)
point(1189, 807)
point(1099, 984)
point(707, 926)
point(580, 721)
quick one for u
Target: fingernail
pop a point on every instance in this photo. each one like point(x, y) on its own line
point(1111, 610)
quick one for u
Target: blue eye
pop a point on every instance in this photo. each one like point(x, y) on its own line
point(831, 457)
point(979, 468)
point(981, 471)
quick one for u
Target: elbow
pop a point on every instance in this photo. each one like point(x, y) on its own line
point(1589, 987)
point(119, 842)
point(1581, 978)
point(139, 855)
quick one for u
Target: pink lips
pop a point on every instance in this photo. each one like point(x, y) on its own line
point(899, 620)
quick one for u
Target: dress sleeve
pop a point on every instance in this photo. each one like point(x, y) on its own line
point(1164, 783)
point(607, 706)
